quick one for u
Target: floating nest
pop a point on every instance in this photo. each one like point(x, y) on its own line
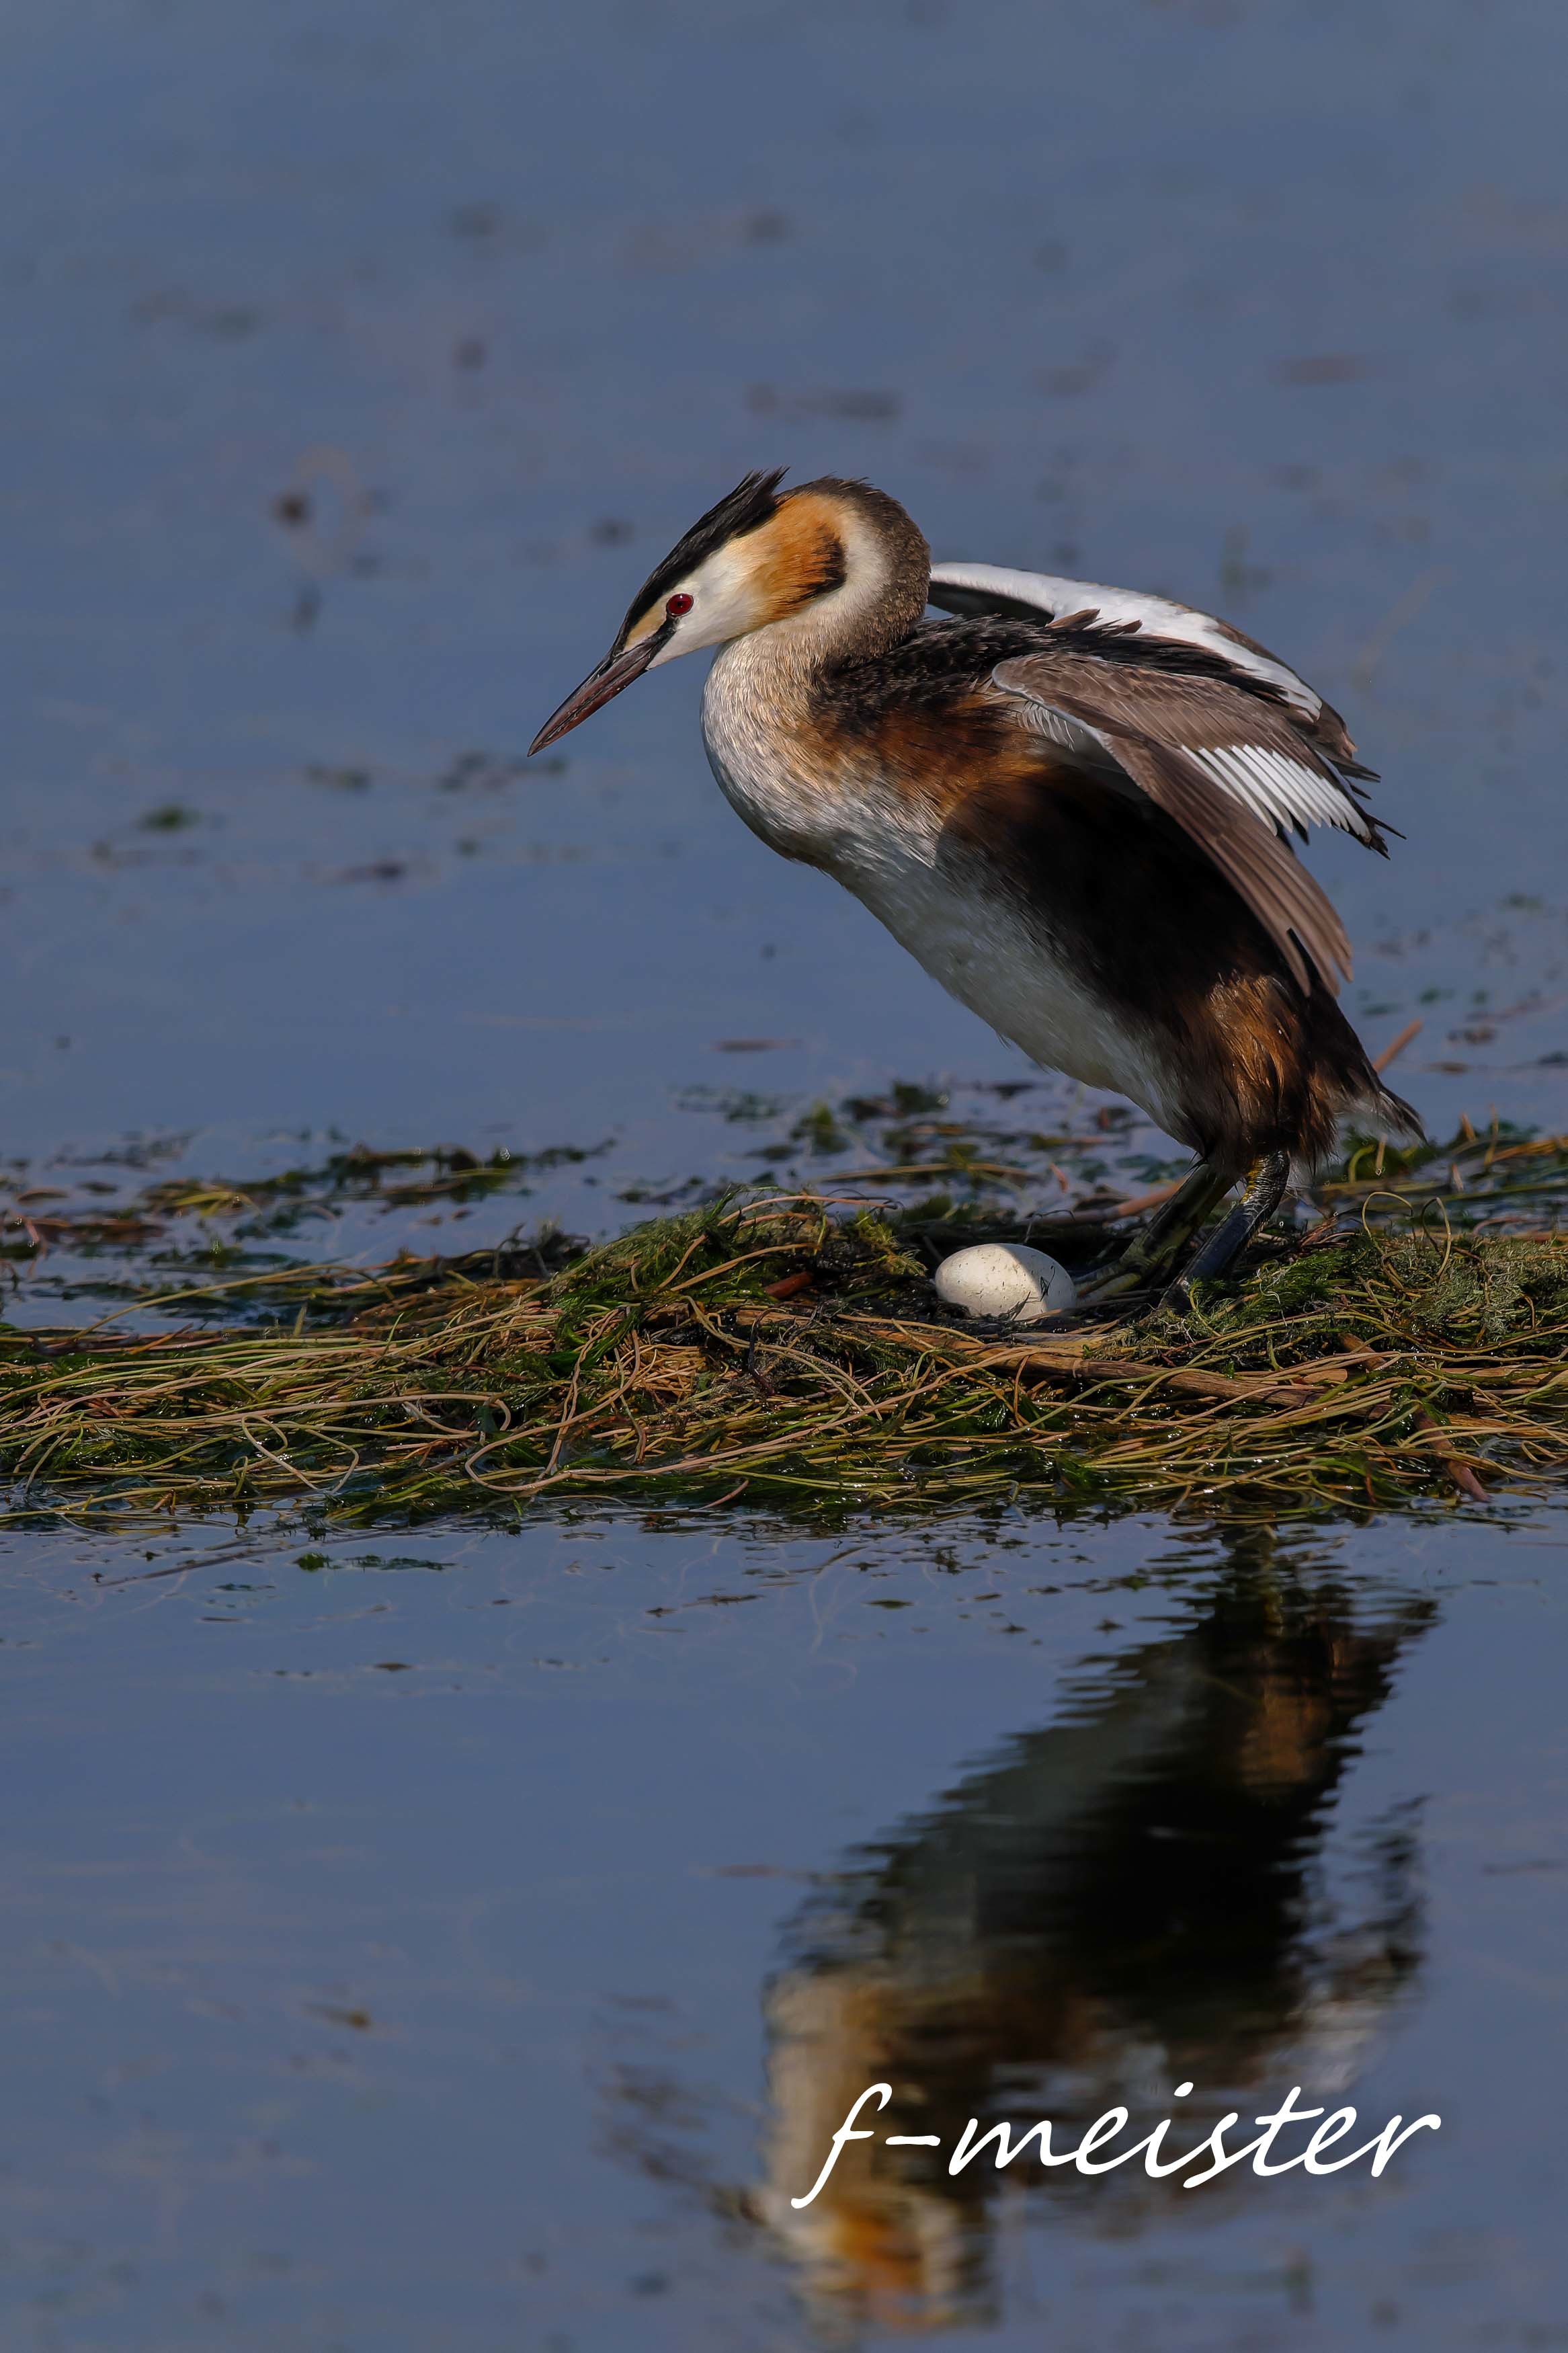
point(1414, 1342)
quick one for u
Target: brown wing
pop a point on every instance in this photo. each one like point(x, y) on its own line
point(983, 588)
point(1324, 728)
point(1182, 739)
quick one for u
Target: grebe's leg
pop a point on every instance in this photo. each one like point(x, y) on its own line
point(1155, 1252)
point(1228, 1242)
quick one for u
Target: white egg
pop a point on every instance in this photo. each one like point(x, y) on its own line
point(1006, 1279)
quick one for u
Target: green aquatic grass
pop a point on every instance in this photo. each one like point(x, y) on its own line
point(790, 1347)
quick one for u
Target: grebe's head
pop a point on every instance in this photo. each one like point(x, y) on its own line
point(834, 560)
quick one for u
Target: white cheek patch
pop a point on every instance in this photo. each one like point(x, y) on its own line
point(724, 603)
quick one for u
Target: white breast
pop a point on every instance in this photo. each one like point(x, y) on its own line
point(984, 948)
point(996, 957)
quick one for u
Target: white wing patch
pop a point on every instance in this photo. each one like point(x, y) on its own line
point(1052, 595)
point(1281, 791)
point(1045, 719)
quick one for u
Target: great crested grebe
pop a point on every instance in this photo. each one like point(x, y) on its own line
point(1071, 804)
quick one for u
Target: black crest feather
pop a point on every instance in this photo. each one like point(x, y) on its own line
point(750, 504)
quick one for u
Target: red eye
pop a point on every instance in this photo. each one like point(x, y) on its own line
point(678, 605)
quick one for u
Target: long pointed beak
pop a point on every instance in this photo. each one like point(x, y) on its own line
point(598, 688)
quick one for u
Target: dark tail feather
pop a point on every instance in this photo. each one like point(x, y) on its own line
point(1341, 1083)
point(1393, 1111)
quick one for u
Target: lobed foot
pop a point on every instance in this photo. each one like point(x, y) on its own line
point(1155, 1253)
point(1229, 1239)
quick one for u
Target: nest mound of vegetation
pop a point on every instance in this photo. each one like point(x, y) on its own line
point(781, 1346)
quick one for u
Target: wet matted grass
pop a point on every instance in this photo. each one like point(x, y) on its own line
point(1413, 1341)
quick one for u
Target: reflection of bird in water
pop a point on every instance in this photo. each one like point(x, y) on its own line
point(1070, 803)
point(1125, 1901)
